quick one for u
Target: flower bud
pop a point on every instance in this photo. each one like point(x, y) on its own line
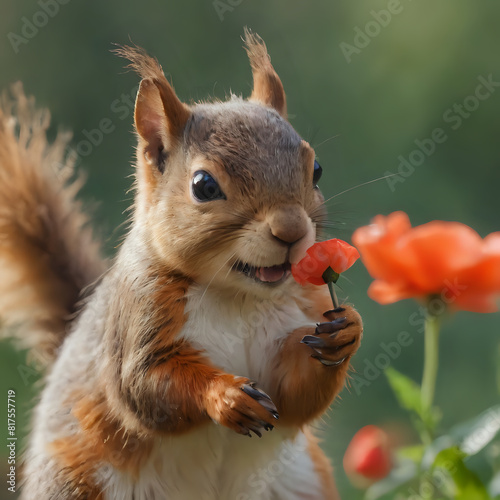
point(368, 456)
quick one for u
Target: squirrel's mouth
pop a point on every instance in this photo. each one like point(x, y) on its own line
point(268, 275)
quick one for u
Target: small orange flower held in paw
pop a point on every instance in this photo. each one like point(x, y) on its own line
point(368, 456)
point(445, 259)
point(335, 254)
point(324, 262)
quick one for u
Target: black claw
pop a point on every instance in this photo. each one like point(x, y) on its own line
point(327, 362)
point(254, 393)
point(339, 321)
point(319, 352)
point(331, 326)
point(337, 310)
point(268, 427)
point(262, 398)
point(256, 431)
point(269, 406)
point(312, 341)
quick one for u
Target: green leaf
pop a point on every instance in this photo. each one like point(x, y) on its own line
point(408, 394)
point(467, 483)
point(407, 391)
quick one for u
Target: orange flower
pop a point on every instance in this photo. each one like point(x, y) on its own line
point(335, 254)
point(368, 456)
point(448, 259)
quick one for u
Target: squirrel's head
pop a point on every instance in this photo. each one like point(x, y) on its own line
point(226, 192)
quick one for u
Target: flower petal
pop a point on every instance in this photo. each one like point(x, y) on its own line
point(474, 301)
point(379, 244)
point(334, 253)
point(445, 258)
point(384, 292)
point(438, 251)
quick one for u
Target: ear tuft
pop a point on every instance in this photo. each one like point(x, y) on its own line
point(267, 86)
point(160, 117)
point(176, 112)
point(140, 61)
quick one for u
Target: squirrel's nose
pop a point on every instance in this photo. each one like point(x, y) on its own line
point(288, 224)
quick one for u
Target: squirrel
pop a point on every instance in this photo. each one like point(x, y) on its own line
point(195, 336)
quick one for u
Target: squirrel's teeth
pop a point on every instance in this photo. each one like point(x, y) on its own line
point(270, 274)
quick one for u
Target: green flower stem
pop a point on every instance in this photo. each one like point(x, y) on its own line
point(335, 300)
point(431, 361)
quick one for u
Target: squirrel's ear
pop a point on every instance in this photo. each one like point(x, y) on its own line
point(267, 86)
point(160, 118)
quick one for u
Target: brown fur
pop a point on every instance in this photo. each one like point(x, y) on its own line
point(267, 86)
point(304, 388)
point(100, 440)
point(166, 369)
point(140, 338)
point(47, 251)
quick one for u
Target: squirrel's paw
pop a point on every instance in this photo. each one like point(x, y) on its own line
point(338, 339)
point(237, 403)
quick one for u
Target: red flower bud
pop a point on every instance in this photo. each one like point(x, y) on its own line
point(368, 456)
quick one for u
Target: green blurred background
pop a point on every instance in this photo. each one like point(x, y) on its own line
point(362, 106)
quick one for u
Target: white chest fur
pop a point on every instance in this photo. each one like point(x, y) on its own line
point(213, 462)
point(240, 335)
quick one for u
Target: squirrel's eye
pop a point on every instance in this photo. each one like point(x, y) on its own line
point(205, 187)
point(317, 173)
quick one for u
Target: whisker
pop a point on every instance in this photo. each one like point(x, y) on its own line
point(228, 271)
point(358, 186)
point(246, 218)
point(345, 278)
point(216, 273)
point(325, 141)
point(330, 224)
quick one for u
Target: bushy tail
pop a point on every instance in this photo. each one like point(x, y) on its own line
point(47, 251)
